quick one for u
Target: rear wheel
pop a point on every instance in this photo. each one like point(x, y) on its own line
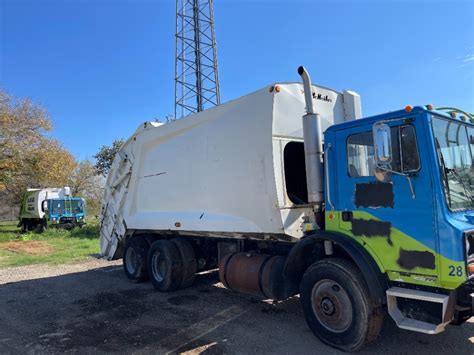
point(24, 226)
point(337, 306)
point(164, 266)
point(42, 226)
point(188, 262)
point(134, 259)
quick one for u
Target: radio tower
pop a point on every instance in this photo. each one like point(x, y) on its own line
point(196, 76)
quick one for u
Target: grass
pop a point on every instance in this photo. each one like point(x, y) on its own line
point(55, 246)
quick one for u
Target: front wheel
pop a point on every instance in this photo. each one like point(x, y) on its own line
point(337, 306)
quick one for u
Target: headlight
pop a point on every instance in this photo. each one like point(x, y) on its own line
point(54, 219)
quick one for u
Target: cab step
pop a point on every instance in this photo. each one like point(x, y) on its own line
point(409, 323)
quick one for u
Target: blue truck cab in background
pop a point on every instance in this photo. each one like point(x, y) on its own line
point(65, 212)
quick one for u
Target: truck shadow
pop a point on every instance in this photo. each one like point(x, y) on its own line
point(100, 311)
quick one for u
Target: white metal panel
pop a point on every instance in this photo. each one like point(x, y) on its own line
point(278, 146)
point(212, 171)
point(290, 107)
point(35, 200)
point(352, 105)
point(218, 171)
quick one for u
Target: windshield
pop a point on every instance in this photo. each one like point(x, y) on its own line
point(454, 145)
point(67, 206)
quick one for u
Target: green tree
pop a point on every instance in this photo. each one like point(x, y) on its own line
point(105, 157)
point(85, 182)
point(28, 157)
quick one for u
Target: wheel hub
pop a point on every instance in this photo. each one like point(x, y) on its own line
point(158, 267)
point(132, 260)
point(327, 306)
point(331, 305)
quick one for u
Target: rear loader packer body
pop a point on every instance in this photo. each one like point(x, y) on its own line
point(375, 214)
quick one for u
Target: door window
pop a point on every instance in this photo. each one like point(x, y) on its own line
point(361, 153)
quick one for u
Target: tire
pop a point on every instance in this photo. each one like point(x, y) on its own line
point(188, 262)
point(164, 266)
point(337, 306)
point(135, 259)
point(42, 226)
point(24, 227)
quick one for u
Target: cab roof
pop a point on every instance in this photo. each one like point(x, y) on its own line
point(394, 115)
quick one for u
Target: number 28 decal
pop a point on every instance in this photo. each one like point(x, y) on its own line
point(455, 271)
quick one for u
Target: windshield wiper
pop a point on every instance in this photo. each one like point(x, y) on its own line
point(467, 190)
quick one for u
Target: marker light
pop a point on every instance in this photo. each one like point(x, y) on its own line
point(453, 114)
point(408, 108)
point(277, 88)
point(470, 269)
point(429, 107)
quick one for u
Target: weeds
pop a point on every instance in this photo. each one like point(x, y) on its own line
point(54, 246)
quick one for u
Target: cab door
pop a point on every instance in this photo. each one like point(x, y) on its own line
point(390, 212)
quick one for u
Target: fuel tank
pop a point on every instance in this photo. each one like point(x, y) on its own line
point(256, 274)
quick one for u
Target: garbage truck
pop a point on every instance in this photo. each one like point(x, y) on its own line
point(51, 207)
point(289, 191)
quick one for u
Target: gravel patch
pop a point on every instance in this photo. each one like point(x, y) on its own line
point(38, 271)
point(90, 307)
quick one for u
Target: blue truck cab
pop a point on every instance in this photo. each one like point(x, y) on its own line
point(401, 186)
point(66, 212)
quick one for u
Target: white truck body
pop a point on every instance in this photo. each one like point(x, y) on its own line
point(220, 172)
point(34, 198)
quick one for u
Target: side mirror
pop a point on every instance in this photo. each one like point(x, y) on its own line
point(44, 205)
point(382, 143)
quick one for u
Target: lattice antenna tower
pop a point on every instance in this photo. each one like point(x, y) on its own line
point(196, 75)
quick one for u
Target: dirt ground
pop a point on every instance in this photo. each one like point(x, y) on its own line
point(32, 247)
point(91, 307)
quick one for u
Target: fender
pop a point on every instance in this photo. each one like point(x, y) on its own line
point(311, 248)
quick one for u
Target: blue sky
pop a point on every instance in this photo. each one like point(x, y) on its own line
point(102, 67)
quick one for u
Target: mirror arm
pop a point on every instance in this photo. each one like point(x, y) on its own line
point(413, 196)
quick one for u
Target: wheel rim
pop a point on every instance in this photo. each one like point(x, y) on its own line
point(331, 305)
point(158, 266)
point(132, 261)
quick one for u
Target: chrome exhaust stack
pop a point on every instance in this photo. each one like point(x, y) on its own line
point(313, 144)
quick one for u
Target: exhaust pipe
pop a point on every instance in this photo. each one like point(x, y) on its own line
point(313, 146)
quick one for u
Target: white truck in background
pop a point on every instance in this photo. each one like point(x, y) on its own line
point(51, 207)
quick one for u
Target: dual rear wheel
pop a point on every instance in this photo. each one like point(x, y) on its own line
point(169, 264)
